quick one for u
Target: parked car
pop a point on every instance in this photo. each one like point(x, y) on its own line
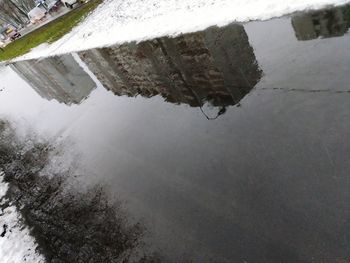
point(10, 32)
point(52, 5)
point(36, 14)
point(14, 34)
point(71, 3)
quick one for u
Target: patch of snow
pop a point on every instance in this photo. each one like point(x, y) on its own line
point(119, 21)
point(39, 48)
point(16, 244)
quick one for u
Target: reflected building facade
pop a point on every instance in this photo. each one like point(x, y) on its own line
point(326, 23)
point(215, 66)
point(59, 78)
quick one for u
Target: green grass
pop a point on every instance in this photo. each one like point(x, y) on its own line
point(48, 33)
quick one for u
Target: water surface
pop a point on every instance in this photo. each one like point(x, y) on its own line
point(231, 144)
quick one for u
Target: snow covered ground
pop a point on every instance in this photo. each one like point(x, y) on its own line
point(118, 21)
point(16, 245)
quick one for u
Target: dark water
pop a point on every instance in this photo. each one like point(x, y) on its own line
point(232, 144)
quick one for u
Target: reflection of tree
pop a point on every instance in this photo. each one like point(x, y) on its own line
point(15, 11)
point(69, 226)
point(216, 66)
point(60, 78)
point(325, 23)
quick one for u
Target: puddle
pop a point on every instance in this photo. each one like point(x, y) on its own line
point(229, 144)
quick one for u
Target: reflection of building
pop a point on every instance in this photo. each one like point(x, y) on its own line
point(326, 23)
point(60, 78)
point(216, 66)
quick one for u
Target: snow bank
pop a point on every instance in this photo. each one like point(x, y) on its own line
point(16, 245)
point(118, 21)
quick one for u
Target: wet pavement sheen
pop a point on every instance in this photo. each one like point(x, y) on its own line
point(232, 144)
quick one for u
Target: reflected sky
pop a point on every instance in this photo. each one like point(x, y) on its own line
point(265, 182)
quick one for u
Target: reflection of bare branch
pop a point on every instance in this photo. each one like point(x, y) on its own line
point(15, 11)
point(69, 225)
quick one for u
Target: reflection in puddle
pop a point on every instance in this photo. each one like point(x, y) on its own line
point(266, 182)
point(333, 22)
point(216, 66)
point(69, 225)
point(60, 78)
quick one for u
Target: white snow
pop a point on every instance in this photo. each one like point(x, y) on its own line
point(118, 21)
point(17, 245)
